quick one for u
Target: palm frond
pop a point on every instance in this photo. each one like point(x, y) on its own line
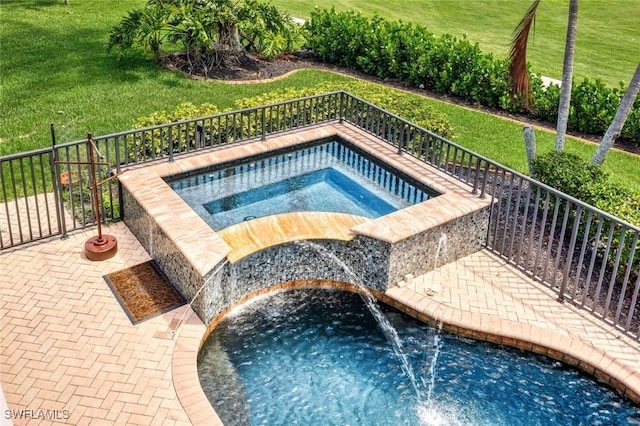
point(519, 82)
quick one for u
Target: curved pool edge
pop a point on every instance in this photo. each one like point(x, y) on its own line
point(246, 238)
point(571, 351)
point(184, 370)
point(574, 352)
point(189, 338)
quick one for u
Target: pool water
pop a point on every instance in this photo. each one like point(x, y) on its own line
point(308, 192)
point(317, 356)
point(329, 177)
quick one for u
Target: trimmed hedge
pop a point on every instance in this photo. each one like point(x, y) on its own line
point(454, 66)
point(408, 106)
point(154, 143)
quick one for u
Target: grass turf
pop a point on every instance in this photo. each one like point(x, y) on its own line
point(603, 50)
point(54, 69)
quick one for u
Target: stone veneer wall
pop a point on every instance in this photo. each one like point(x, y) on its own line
point(363, 261)
point(359, 261)
point(162, 249)
point(417, 254)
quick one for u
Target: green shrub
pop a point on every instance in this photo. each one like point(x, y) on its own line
point(568, 173)
point(154, 143)
point(405, 105)
point(616, 200)
point(593, 106)
point(337, 38)
point(546, 102)
point(574, 176)
point(580, 179)
point(409, 53)
point(454, 66)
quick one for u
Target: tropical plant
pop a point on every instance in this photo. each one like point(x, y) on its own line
point(519, 81)
point(210, 32)
point(270, 32)
point(520, 85)
point(147, 28)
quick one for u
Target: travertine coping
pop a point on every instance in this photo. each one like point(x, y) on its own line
point(249, 237)
point(570, 351)
point(204, 248)
point(415, 219)
point(184, 369)
point(592, 360)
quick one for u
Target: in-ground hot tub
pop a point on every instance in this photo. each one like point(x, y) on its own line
point(245, 257)
point(321, 176)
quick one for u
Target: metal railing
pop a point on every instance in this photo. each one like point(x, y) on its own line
point(29, 206)
point(41, 195)
point(585, 255)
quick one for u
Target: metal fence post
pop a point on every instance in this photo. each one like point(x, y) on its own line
point(199, 136)
point(264, 124)
point(56, 185)
point(170, 144)
point(476, 179)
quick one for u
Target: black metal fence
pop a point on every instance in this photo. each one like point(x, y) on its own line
point(586, 255)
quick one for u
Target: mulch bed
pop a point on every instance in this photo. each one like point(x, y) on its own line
point(143, 291)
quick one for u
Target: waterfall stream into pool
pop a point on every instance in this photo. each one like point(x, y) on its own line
point(316, 356)
point(372, 305)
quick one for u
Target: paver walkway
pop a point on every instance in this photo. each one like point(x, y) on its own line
point(67, 345)
point(67, 350)
point(484, 297)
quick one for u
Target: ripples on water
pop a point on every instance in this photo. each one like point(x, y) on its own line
point(317, 356)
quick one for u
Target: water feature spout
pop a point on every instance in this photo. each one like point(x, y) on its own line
point(383, 323)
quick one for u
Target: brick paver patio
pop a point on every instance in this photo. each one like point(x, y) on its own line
point(67, 349)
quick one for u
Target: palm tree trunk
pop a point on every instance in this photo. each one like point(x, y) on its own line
point(229, 38)
point(567, 76)
point(530, 145)
point(234, 41)
point(617, 124)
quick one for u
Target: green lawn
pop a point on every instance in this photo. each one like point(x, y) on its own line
point(603, 50)
point(501, 140)
point(54, 69)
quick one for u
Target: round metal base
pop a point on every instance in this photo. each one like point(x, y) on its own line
point(100, 248)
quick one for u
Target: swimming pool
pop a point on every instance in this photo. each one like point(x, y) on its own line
point(317, 356)
point(326, 177)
